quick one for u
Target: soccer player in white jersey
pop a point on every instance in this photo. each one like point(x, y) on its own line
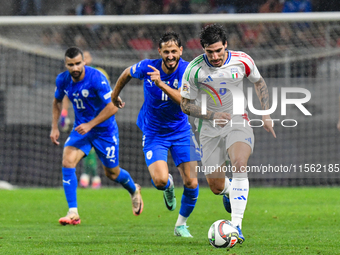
point(223, 135)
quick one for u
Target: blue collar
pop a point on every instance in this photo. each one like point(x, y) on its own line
point(210, 65)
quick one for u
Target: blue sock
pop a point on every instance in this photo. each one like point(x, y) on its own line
point(70, 184)
point(126, 181)
point(161, 188)
point(188, 202)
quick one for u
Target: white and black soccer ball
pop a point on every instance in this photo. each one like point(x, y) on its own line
point(222, 234)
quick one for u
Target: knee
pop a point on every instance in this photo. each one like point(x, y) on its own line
point(239, 164)
point(159, 182)
point(191, 183)
point(112, 173)
point(215, 189)
point(216, 185)
point(68, 163)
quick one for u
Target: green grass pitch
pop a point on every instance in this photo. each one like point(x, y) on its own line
point(277, 221)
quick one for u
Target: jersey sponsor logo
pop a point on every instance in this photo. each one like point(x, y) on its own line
point(234, 73)
point(220, 75)
point(85, 93)
point(149, 155)
point(107, 95)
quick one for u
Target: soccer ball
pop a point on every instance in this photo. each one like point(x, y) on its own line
point(222, 234)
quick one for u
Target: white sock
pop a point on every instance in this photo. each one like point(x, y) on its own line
point(181, 220)
point(238, 199)
point(226, 189)
point(171, 183)
point(73, 209)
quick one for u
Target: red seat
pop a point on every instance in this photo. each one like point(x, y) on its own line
point(194, 44)
point(141, 44)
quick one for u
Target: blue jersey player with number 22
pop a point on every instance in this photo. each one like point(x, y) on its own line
point(165, 127)
point(94, 126)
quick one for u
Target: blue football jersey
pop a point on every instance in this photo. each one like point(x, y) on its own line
point(159, 113)
point(88, 96)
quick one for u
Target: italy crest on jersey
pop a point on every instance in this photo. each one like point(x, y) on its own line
point(234, 73)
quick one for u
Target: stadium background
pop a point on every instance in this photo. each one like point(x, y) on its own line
point(302, 52)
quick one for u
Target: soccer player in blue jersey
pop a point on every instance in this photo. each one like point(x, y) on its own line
point(165, 127)
point(94, 126)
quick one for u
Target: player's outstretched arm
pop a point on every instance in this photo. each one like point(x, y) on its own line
point(190, 108)
point(263, 95)
point(123, 79)
point(106, 113)
point(155, 76)
point(56, 110)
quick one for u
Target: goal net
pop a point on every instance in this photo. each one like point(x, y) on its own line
point(290, 50)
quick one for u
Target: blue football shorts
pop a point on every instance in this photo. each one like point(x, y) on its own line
point(106, 146)
point(183, 149)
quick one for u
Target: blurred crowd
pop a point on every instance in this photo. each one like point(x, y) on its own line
point(245, 35)
point(135, 7)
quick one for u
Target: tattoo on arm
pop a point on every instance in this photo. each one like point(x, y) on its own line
point(188, 107)
point(262, 93)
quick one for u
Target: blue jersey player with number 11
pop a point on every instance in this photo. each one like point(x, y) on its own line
point(94, 126)
point(165, 127)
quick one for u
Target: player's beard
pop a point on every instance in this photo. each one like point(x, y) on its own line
point(77, 75)
point(169, 67)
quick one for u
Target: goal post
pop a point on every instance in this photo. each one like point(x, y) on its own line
point(290, 50)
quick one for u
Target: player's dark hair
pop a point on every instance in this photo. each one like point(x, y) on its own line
point(72, 52)
point(212, 34)
point(170, 36)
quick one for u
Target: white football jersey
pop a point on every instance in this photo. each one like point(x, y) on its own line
point(219, 84)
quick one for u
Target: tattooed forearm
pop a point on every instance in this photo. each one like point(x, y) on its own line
point(189, 108)
point(262, 93)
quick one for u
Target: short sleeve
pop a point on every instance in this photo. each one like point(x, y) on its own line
point(189, 89)
point(104, 90)
point(184, 65)
point(251, 70)
point(59, 91)
point(138, 70)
